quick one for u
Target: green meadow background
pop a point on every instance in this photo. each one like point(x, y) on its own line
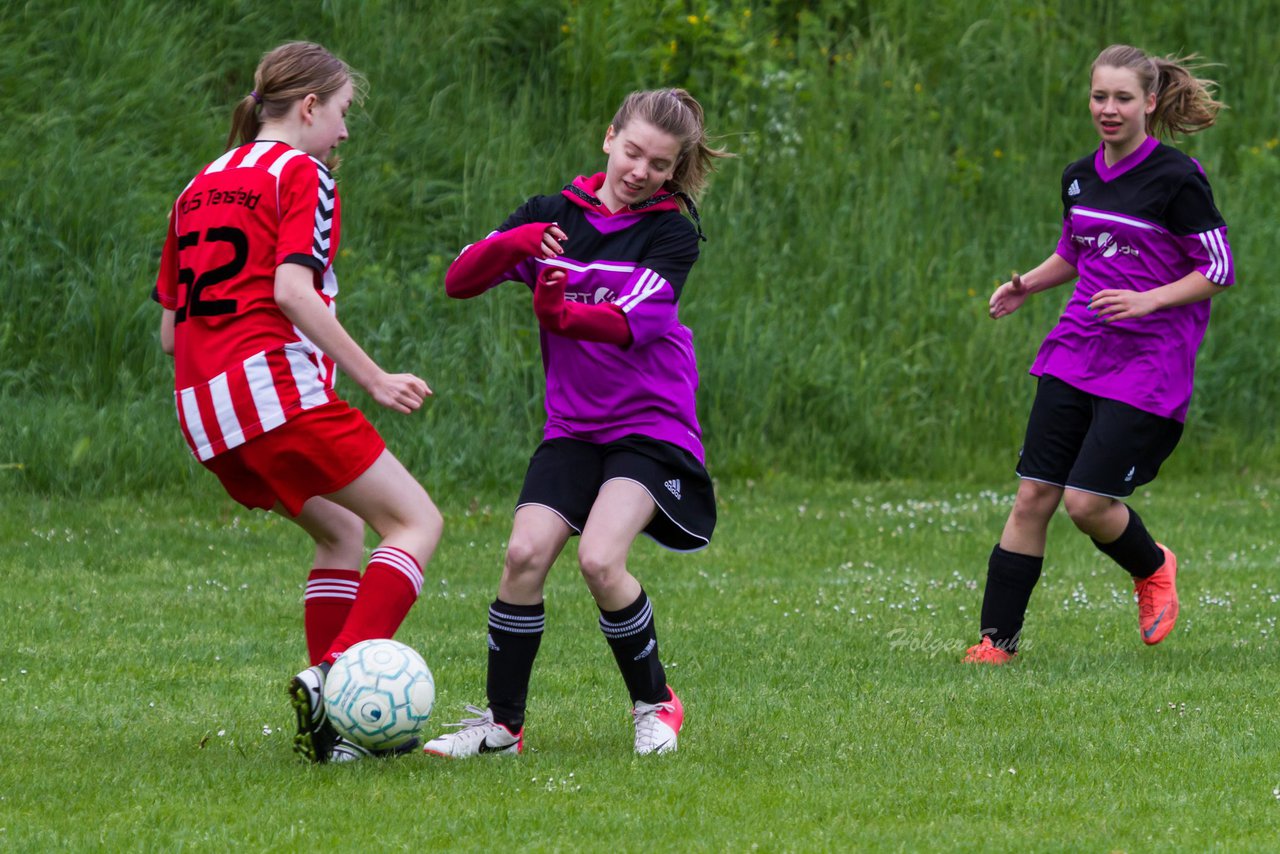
point(895, 161)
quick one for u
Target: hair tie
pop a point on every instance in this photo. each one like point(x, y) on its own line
point(256, 97)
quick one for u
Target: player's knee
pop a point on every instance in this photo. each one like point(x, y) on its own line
point(1035, 507)
point(598, 568)
point(431, 521)
point(339, 532)
point(525, 557)
point(416, 526)
point(1085, 509)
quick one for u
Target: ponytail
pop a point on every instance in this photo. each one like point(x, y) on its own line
point(245, 122)
point(1184, 102)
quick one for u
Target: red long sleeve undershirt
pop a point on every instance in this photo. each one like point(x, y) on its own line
point(604, 322)
point(482, 264)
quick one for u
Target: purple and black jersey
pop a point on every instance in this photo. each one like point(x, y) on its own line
point(1145, 222)
point(638, 260)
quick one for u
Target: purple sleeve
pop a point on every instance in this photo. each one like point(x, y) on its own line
point(1067, 249)
point(1211, 255)
point(649, 298)
point(649, 303)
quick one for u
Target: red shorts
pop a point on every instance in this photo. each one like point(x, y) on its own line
point(314, 453)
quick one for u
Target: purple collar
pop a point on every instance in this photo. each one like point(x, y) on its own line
point(1124, 164)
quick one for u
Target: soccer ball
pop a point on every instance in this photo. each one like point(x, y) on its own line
point(378, 694)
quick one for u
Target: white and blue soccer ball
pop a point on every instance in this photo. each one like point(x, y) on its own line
point(379, 693)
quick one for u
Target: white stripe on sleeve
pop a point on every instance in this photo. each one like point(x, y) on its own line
point(646, 286)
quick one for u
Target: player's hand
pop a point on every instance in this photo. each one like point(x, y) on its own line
point(553, 240)
point(548, 295)
point(552, 280)
point(1111, 305)
point(1008, 298)
point(401, 392)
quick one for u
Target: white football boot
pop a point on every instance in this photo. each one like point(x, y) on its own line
point(481, 734)
point(658, 725)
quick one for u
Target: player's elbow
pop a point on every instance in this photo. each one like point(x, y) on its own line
point(291, 295)
point(458, 285)
point(452, 287)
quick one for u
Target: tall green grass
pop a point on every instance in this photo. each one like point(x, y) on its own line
point(896, 160)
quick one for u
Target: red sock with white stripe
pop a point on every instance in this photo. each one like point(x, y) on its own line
point(329, 597)
point(390, 586)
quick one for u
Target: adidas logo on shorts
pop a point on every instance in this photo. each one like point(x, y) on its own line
point(673, 486)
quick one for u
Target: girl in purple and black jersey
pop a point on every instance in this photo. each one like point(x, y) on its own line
point(606, 259)
point(1143, 235)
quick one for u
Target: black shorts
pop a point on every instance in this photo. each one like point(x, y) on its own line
point(1081, 441)
point(565, 476)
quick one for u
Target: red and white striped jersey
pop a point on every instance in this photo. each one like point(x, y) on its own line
point(241, 367)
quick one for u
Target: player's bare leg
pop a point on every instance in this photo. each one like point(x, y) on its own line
point(621, 511)
point(516, 621)
point(395, 505)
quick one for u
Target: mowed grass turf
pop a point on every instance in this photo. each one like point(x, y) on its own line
point(816, 645)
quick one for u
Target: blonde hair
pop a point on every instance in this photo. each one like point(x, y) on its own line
point(678, 113)
point(289, 72)
point(1184, 102)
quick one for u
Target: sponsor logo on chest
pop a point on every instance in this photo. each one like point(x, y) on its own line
point(1106, 244)
point(599, 295)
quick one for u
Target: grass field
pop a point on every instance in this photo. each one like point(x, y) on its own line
point(815, 645)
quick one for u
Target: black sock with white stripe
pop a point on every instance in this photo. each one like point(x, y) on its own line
point(515, 632)
point(634, 641)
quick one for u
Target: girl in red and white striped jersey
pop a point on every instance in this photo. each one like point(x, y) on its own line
point(247, 286)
